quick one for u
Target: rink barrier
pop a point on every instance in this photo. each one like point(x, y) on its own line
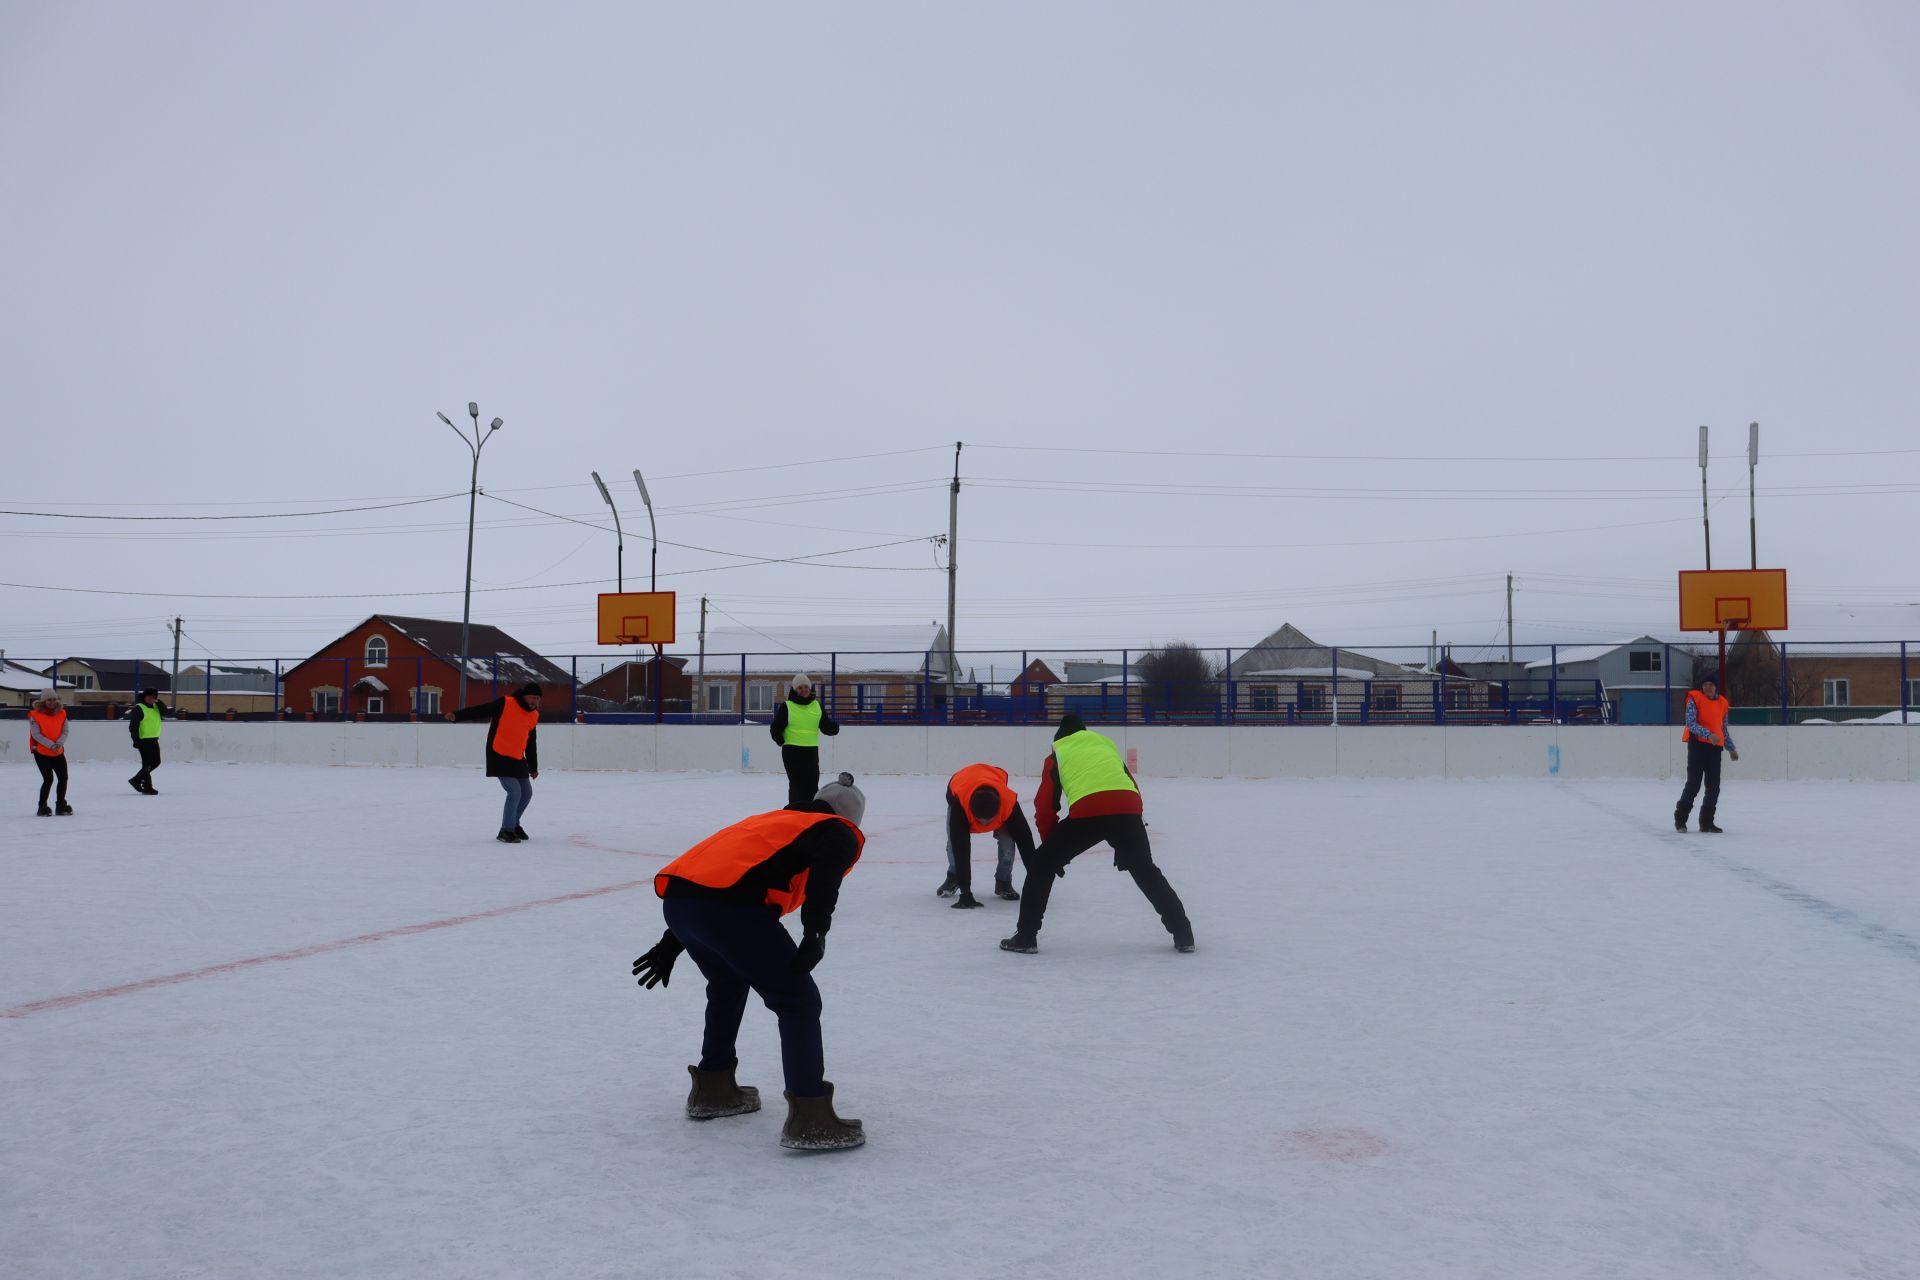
point(1879, 753)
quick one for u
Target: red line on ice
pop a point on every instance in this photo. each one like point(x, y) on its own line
point(300, 953)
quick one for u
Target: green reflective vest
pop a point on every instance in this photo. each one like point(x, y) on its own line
point(803, 723)
point(1089, 763)
point(149, 721)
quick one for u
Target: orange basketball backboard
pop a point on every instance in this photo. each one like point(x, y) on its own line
point(1733, 599)
point(636, 617)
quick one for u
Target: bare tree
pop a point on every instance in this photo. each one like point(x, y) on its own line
point(1179, 677)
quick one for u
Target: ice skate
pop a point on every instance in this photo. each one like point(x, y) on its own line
point(948, 888)
point(1025, 946)
point(520, 833)
point(1707, 826)
point(1679, 819)
point(63, 810)
point(44, 812)
point(812, 1125)
point(1006, 891)
point(507, 837)
point(715, 1094)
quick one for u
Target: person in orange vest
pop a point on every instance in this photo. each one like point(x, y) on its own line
point(1706, 737)
point(513, 752)
point(1103, 806)
point(723, 900)
point(978, 801)
point(47, 741)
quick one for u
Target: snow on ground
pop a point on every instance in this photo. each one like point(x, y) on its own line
point(1433, 1029)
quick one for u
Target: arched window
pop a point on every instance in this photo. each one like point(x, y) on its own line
point(376, 651)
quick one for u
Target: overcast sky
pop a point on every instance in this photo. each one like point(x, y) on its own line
point(1248, 313)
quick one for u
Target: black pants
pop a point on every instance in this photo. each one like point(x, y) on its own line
point(803, 774)
point(740, 949)
point(52, 768)
point(149, 760)
point(1071, 837)
point(1703, 762)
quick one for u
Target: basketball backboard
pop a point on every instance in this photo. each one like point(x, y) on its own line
point(636, 617)
point(1733, 599)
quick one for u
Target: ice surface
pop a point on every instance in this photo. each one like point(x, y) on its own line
point(1433, 1029)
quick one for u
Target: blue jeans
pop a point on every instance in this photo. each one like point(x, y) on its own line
point(519, 796)
point(745, 948)
point(1002, 872)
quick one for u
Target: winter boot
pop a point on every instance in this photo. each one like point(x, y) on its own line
point(1706, 825)
point(139, 788)
point(714, 1094)
point(150, 789)
point(507, 837)
point(44, 812)
point(63, 809)
point(520, 833)
point(947, 887)
point(1005, 889)
point(1183, 941)
point(813, 1126)
point(966, 899)
point(1679, 819)
point(1024, 945)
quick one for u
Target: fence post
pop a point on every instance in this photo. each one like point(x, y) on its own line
point(1666, 672)
point(346, 688)
point(1126, 689)
point(1233, 702)
point(1786, 694)
point(1333, 688)
point(740, 695)
point(276, 688)
point(833, 682)
point(1903, 682)
point(573, 687)
point(207, 667)
point(1553, 684)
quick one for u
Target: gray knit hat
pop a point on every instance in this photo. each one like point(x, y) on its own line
point(844, 798)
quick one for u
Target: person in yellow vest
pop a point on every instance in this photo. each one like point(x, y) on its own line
point(513, 752)
point(143, 722)
point(47, 741)
point(723, 900)
point(1103, 805)
point(978, 801)
point(797, 725)
point(1706, 737)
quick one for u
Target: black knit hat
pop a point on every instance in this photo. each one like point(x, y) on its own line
point(528, 690)
point(1069, 723)
point(149, 693)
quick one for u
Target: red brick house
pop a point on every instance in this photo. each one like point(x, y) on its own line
point(394, 668)
point(629, 687)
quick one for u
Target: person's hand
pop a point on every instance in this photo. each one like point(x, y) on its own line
point(535, 777)
point(813, 948)
point(654, 968)
point(1733, 753)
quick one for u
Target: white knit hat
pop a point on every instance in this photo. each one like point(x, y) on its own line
point(799, 680)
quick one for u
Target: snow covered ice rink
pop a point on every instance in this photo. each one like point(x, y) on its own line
point(286, 1021)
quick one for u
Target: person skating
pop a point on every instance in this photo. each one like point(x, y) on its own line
point(143, 722)
point(1103, 804)
point(47, 741)
point(723, 900)
point(1706, 737)
point(513, 752)
point(978, 801)
point(797, 725)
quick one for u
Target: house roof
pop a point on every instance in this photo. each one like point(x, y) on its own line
point(26, 680)
point(488, 647)
point(1300, 673)
point(1590, 652)
point(815, 650)
point(1290, 648)
point(122, 674)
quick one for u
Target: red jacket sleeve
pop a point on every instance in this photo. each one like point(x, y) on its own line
point(1046, 801)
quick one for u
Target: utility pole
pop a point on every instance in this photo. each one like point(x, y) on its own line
point(1753, 462)
point(1509, 620)
point(1705, 528)
point(173, 690)
point(953, 566)
point(700, 682)
point(474, 446)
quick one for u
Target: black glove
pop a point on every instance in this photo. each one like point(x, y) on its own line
point(654, 968)
point(813, 947)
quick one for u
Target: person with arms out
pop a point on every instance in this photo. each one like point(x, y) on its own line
point(47, 742)
point(797, 725)
point(513, 752)
point(143, 722)
point(723, 900)
point(1103, 804)
point(1706, 737)
point(978, 801)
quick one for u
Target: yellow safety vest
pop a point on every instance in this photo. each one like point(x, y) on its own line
point(1089, 763)
point(149, 721)
point(803, 723)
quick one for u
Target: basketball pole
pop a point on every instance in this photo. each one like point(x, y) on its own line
point(653, 584)
point(1753, 526)
point(1706, 528)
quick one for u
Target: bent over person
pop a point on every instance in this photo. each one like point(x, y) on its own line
point(723, 900)
point(1103, 805)
point(979, 800)
point(47, 742)
point(513, 752)
point(1706, 737)
point(797, 725)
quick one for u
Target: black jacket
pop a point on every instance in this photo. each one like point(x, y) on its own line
point(960, 830)
point(133, 718)
point(828, 725)
point(499, 766)
point(826, 851)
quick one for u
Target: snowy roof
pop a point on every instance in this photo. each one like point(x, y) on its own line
point(1298, 673)
point(786, 650)
point(21, 679)
point(1589, 652)
point(1294, 649)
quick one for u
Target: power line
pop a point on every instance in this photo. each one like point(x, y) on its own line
point(1412, 457)
point(262, 515)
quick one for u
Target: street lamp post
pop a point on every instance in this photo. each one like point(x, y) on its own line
point(653, 584)
point(474, 446)
point(619, 564)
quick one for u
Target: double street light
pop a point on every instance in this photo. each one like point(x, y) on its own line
point(619, 563)
point(474, 445)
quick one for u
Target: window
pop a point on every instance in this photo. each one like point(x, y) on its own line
point(1913, 693)
point(326, 702)
point(869, 695)
point(1386, 697)
point(1644, 660)
point(376, 651)
point(1263, 697)
point(426, 702)
point(1833, 693)
point(1313, 697)
point(1456, 697)
point(376, 706)
point(719, 697)
point(759, 697)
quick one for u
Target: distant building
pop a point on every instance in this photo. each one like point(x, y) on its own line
point(630, 687)
point(110, 681)
point(858, 672)
point(1644, 679)
point(1289, 675)
point(393, 667)
point(21, 686)
point(218, 688)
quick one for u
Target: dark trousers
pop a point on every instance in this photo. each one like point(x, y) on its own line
point(803, 774)
point(149, 759)
point(1703, 763)
point(741, 949)
point(1127, 833)
point(52, 768)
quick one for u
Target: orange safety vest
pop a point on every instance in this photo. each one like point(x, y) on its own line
point(975, 776)
point(51, 727)
point(1712, 716)
point(725, 858)
point(516, 726)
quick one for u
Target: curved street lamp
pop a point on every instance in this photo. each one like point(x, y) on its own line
point(474, 446)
